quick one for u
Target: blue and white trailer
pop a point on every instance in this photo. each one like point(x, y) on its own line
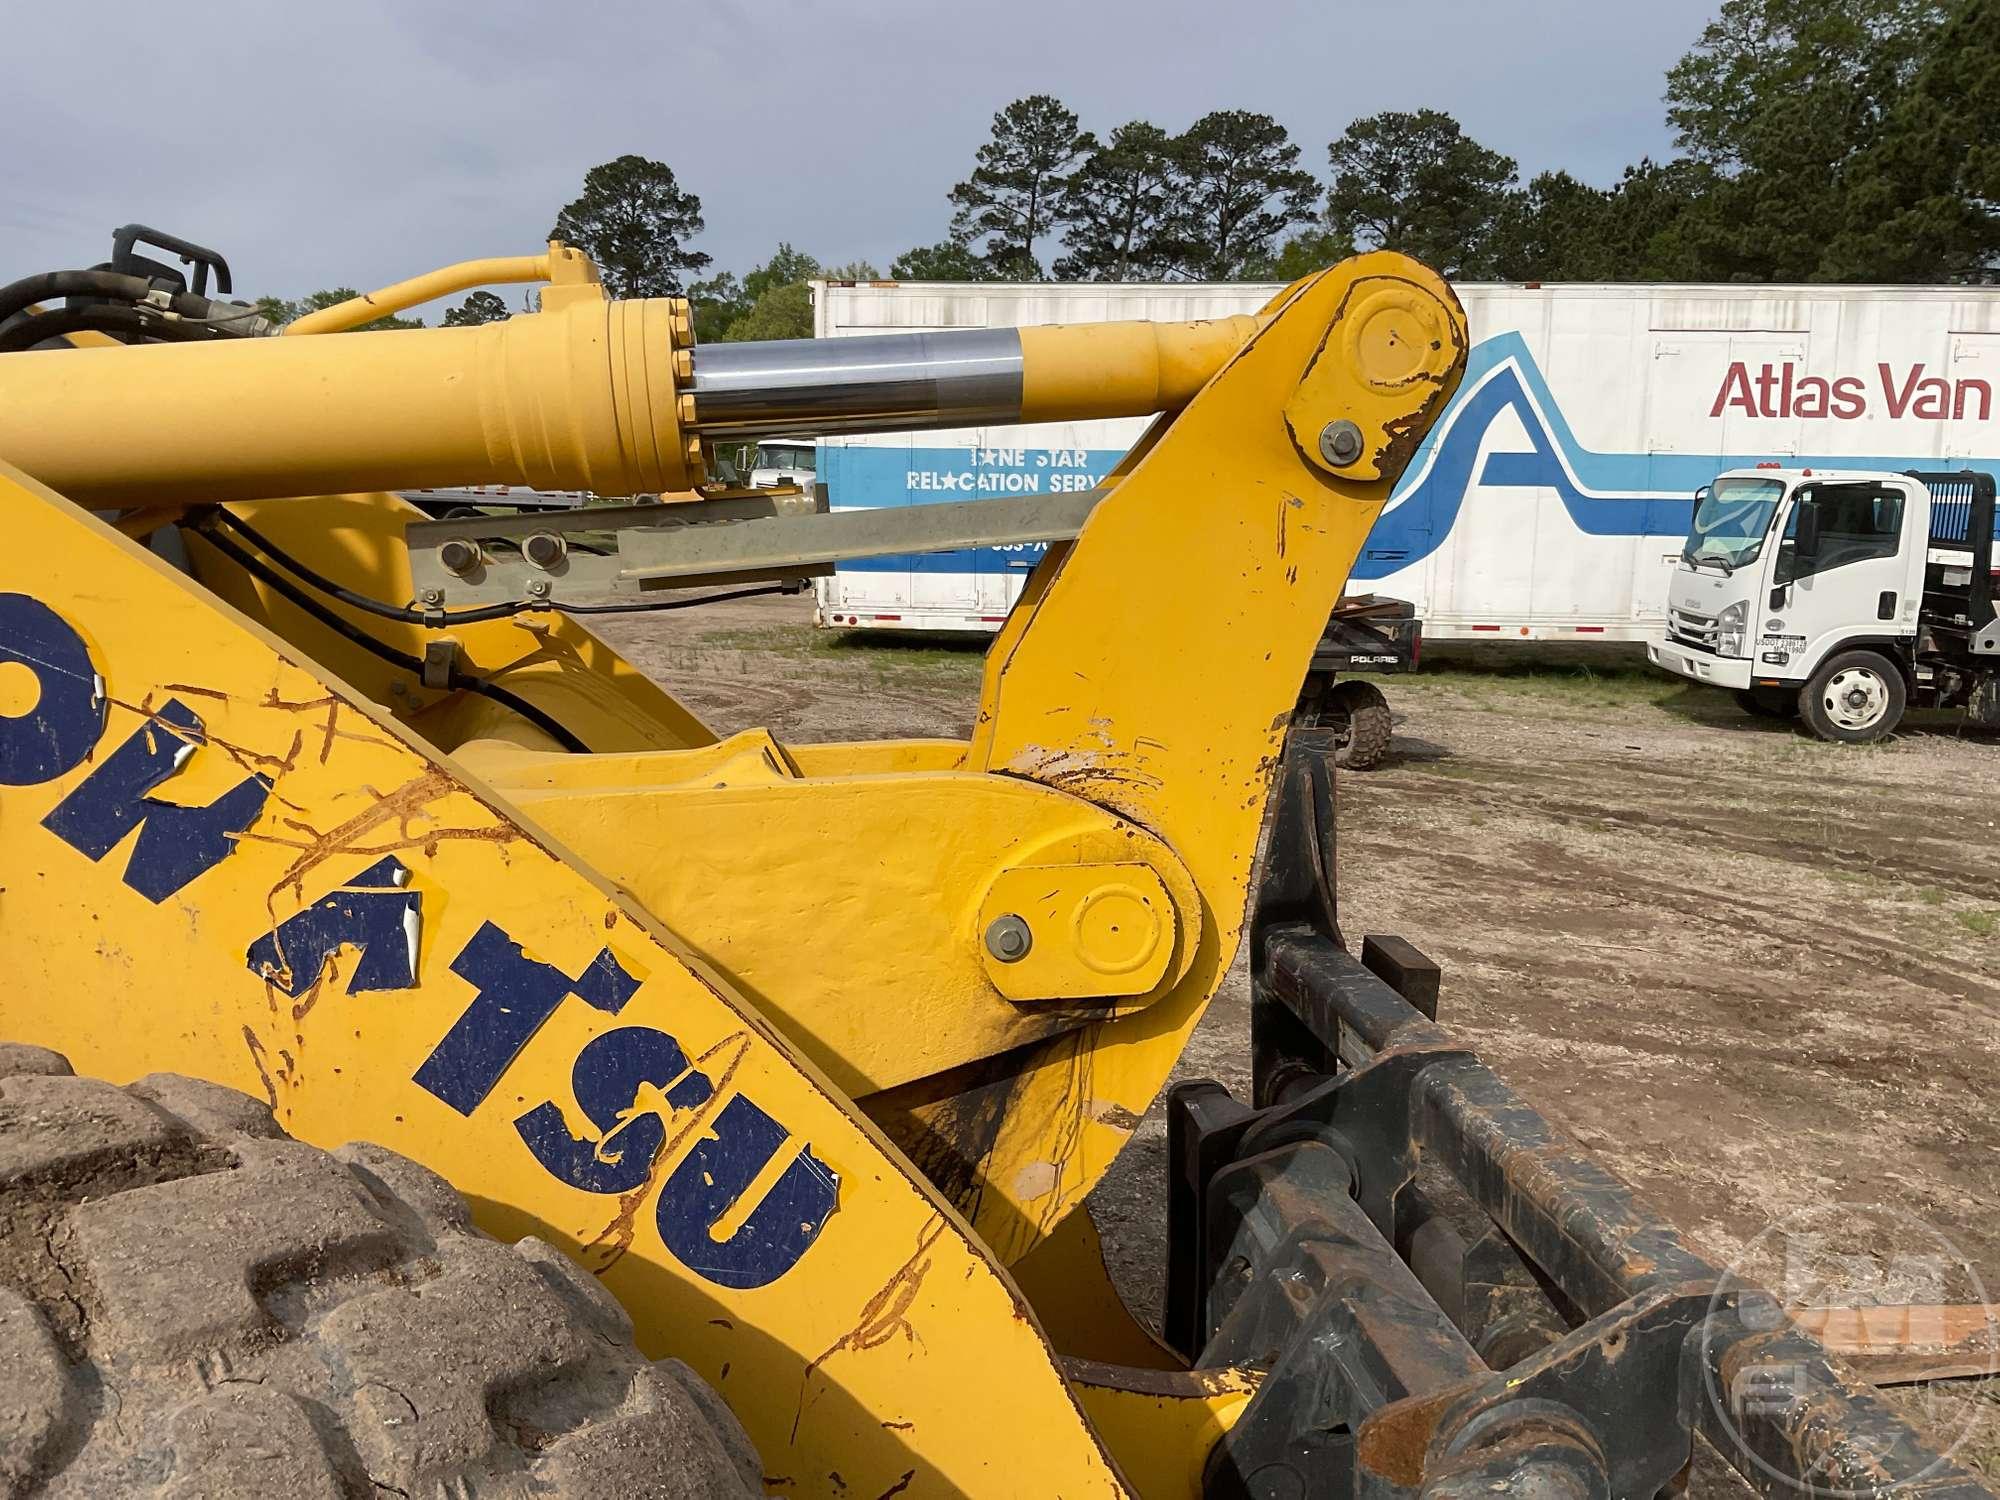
point(1551, 500)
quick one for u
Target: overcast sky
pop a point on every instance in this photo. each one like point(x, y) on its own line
point(359, 141)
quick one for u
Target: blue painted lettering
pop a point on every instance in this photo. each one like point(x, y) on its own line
point(175, 843)
point(607, 1080)
point(372, 913)
point(64, 723)
point(516, 995)
point(716, 1173)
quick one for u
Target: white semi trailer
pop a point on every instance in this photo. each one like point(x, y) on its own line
point(1553, 498)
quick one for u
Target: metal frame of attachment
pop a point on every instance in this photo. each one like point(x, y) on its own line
point(784, 535)
point(1571, 1349)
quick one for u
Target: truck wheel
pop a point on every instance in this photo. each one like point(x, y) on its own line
point(1853, 699)
point(1359, 716)
point(1768, 703)
point(193, 1304)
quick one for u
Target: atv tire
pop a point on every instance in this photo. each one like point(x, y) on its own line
point(192, 1304)
point(1358, 715)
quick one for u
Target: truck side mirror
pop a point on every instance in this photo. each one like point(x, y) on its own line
point(1805, 534)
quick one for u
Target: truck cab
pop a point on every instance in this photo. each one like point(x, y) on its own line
point(778, 461)
point(1842, 596)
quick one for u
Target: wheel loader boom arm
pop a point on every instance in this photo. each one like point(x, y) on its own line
point(1149, 718)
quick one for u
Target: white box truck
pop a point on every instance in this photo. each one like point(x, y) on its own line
point(1552, 498)
point(1841, 596)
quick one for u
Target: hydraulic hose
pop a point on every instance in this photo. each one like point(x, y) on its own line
point(111, 318)
point(115, 286)
point(389, 300)
point(282, 586)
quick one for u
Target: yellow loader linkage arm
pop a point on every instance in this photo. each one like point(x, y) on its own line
point(798, 1047)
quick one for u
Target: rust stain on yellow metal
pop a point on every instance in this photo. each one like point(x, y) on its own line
point(1150, 705)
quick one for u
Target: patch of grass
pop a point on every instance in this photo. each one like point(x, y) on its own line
point(1930, 895)
point(1979, 923)
point(877, 654)
point(1799, 749)
point(1579, 688)
point(1556, 674)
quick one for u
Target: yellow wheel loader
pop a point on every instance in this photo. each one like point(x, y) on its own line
point(411, 1008)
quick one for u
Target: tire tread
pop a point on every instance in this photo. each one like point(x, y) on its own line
point(193, 1304)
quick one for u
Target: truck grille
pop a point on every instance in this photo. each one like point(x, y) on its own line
point(1691, 629)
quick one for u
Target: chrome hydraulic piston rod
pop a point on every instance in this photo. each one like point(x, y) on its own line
point(587, 394)
point(956, 377)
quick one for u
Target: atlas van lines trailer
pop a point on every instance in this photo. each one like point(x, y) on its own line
point(1550, 502)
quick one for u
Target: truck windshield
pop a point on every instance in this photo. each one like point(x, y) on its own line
point(1731, 521)
point(784, 456)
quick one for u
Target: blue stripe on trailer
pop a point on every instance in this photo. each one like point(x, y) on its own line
point(1604, 494)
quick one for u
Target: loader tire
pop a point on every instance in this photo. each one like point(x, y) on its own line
point(194, 1305)
point(1359, 716)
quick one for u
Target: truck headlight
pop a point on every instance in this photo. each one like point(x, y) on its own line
point(1729, 628)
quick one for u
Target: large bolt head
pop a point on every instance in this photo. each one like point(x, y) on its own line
point(1340, 443)
point(458, 556)
point(1009, 939)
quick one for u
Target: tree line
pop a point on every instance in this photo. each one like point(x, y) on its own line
point(1815, 140)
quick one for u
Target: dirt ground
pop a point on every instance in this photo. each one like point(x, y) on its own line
point(1757, 975)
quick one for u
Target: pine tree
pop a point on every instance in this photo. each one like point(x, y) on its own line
point(1120, 202)
point(1419, 184)
point(1239, 188)
point(1017, 194)
point(633, 219)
